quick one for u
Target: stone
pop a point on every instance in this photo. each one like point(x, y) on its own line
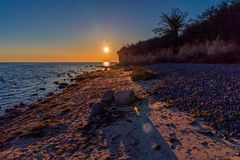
point(128, 68)
point(10, 110)
point(21, 104)
point(97, 108)
point(205, 144)
point(50, 94)
point(156, 146)
point(56, 82)
point(62, 85)
point(205, 131)
point(108, 96)
point(142, 74)
point(125, 97)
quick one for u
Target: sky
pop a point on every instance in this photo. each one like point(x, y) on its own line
point(77, 30)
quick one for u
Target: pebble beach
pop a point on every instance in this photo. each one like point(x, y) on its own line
point(188, 111)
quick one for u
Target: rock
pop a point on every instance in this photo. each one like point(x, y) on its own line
point(56, 82)
point(156, 146)
point(50, 94)
point(21, 104)
point(69, 75)
point(108, 96)
point(173, 140)
point(34, 95)
point(2, 80)
point(142, 74)
point(238, 94)
point(62, 85)
point(125, 96)
point(205, 131)
point(128, 68)
point(9, 110)
point(205, 144)
point(97, 108)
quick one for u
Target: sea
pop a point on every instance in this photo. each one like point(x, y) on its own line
point(30, 82)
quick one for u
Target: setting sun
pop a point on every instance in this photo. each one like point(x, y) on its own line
point(106, 49)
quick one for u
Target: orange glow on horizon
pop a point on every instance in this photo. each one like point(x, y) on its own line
point(54, 55)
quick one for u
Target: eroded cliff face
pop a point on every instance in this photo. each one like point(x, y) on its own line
point(217, 51)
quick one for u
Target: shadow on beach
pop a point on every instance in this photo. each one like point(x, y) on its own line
point(130, 134)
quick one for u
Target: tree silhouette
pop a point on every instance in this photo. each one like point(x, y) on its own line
point(171, 24)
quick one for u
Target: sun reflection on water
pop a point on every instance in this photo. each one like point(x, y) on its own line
point(106, 64)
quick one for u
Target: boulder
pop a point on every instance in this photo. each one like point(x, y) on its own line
point(142, 74)
point(97, 108)
point(125, 96)
point(108, 96)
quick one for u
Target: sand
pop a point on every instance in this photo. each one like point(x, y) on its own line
point(62, 128)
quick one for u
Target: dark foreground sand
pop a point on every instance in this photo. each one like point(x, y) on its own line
point(167, 126)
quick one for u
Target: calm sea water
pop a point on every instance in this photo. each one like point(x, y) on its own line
point(29, 82)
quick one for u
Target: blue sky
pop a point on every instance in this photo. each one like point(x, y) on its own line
point(79, 23)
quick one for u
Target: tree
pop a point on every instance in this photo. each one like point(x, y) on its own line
point(207, 15)
point(171, 24)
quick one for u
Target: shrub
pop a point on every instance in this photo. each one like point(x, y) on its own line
point(219, 46)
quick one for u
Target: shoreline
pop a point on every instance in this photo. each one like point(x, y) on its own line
point(59, 126)
point(27, 89)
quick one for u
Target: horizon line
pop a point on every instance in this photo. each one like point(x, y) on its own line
point(61, 62)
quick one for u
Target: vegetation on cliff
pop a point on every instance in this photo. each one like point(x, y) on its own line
point(213, 37)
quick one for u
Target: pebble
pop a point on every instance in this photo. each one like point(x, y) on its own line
point(205, 131)
point(205, 144)
point(208, 91)
point(156, 146)
point(2, 80)
point(62, 85)
point(50, 94)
